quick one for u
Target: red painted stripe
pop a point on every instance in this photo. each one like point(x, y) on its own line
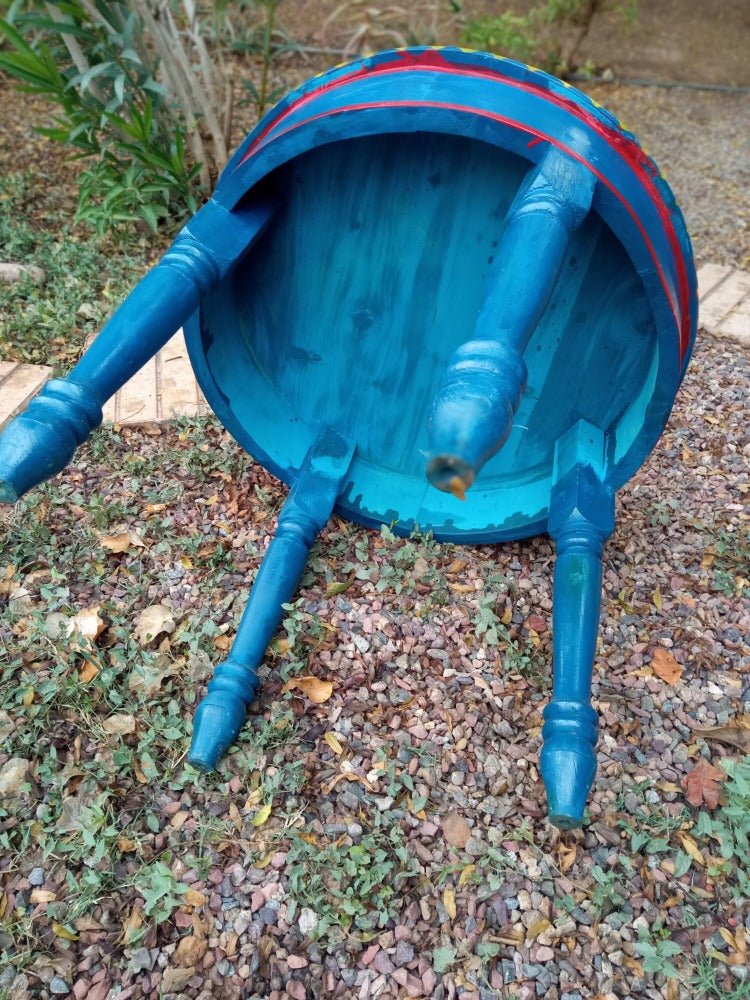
point(540, 136)
point(630, 151)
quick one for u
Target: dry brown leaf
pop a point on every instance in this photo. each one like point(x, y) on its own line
point(153, 622)
point(690, 847)
point(88, 672)
point(119, 725)
point(314, 688)
point(131, 926)
point(703, 785)
point(42, 896)
point(126, 845)
point(456, 830)
point(194, 898)
point(190, 950)
point(455, 567)
point(86, 624)
point(665, 666)
point(449, 902)
point(347, 776)
point(262, 815)
point(736, 734)
point(64, 932)
point(333, 742)
point(566, 856)
point(178, 820)
point(466, 875)
point(122, 541)
point(537, 928)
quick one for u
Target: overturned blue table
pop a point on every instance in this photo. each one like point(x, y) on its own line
point(433, 288)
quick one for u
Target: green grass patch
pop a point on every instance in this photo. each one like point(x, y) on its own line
point(87, 276)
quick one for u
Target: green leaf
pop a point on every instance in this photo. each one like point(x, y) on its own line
point(682, 863)
point(443, 958)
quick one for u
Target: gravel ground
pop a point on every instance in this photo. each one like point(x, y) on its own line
point(701, 142)
point(413, 793)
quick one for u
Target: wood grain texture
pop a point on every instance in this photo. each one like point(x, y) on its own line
point(372, 275)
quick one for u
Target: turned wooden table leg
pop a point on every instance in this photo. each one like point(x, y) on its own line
point(221, 714)
point(581, 519)
point(40, 441)
point(473, 409)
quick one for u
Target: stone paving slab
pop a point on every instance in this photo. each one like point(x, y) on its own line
point(166, 387)
point(18, 384)
point(724, 309)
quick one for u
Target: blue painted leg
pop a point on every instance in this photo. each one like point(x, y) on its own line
point(40, 441)
point(472, 412)
point(221, 714)
point(581, 519)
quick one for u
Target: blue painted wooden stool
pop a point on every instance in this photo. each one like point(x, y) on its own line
point(432, 288)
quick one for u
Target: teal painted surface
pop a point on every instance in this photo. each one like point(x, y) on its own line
point(354, 342)
point(424, 267)
point(40, 441)
point(221, 714)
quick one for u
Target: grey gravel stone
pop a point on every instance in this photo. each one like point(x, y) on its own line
point(404, 953)
point(58, 986)
point(36, 876)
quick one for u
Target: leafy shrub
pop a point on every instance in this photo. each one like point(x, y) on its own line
point(535, 35)
point(91, 61)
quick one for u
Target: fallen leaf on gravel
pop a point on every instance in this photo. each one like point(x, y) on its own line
point(190, 950)
point(194, 898)
point(132, 926)
point(466, 874)
point(262, 815)
point(178, 820)
point(537, 928)
point(449, 902)
point(126, 845)
point(175, 980)
point(702, 785)
point(119, 725)
point(332, 740)
point(316, 690)
point(86, 623)
point(12, 776)
point(443, 958)
point(456, 830)
point(121, 542)
point(347, 776)
point(736, 734)
point(42, 896)
point(152, 622)
point(566, 856)
point(149, 678)
point(88, 672)
point(665, 666)
point(64, 932)
point(690, 847)
point(338, 588)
